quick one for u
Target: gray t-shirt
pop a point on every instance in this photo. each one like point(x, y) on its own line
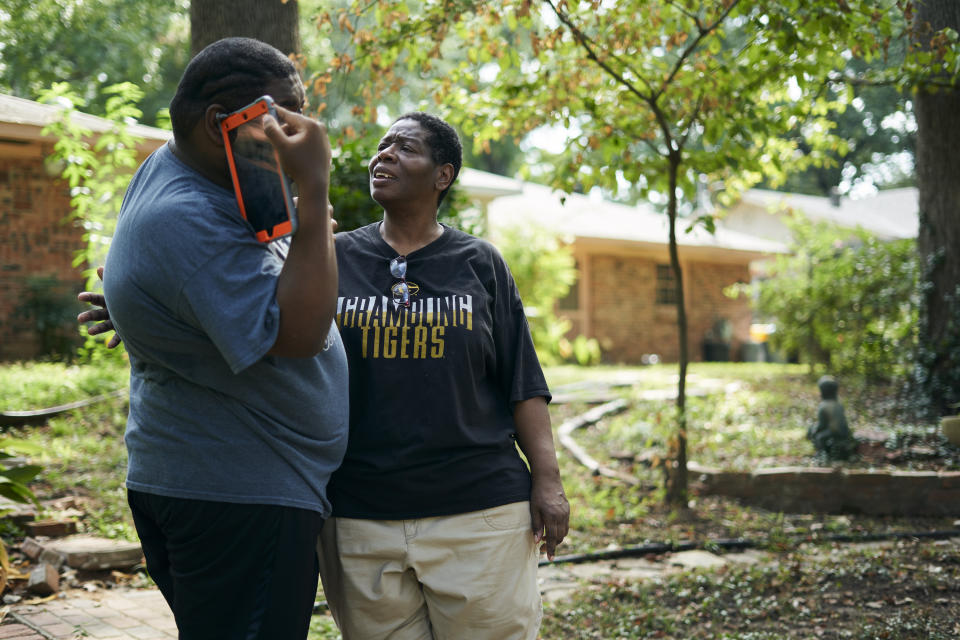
point(193, 295)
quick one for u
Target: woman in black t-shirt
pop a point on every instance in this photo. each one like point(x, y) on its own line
point(436, 517)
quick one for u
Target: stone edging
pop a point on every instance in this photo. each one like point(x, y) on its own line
point(835, 490)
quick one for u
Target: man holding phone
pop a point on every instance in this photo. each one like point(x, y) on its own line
point(238, 386)
point(264, 192)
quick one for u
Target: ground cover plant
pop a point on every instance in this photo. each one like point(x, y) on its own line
point(741, 416)
point(81, 451)
point(903, 591)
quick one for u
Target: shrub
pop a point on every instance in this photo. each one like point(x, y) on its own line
point(844, 300)
point(50, 309)
point(98, 174)
point(544, 270)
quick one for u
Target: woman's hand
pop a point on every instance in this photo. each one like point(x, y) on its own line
point(549, 509)
point(549, 512)
point(101, 316)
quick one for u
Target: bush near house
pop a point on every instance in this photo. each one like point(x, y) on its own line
point(544, 270)
point(843, 301)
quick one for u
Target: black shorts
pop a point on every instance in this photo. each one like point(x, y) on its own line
point(231, 571)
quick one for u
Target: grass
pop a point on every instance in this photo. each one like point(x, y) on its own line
point(749, 415)
point(38, 385)
point(753, 415)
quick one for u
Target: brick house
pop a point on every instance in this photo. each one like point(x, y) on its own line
point(39, 240)
point(624, 296)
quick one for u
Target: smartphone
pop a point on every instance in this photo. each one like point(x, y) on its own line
point(264, 192)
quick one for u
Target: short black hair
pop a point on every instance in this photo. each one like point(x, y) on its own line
point(444, 142)
point(233, 72)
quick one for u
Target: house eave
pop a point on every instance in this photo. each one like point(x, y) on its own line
point(660, 250)
point(22, 123)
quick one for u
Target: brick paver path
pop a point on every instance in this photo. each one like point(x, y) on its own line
point(119, 614)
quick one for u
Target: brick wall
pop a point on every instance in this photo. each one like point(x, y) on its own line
point(706, 303)
point(624, 317)
point(35, 240)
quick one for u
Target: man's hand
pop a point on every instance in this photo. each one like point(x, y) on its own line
point(303, 147)
point(101, 316)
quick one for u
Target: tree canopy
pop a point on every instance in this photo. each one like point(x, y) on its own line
point(730, 82)
point(93, 45)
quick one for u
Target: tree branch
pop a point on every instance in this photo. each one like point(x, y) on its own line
point(858, 81)
point(693, 120)
point(586, 43)
point(703, 33)
point(689, 14)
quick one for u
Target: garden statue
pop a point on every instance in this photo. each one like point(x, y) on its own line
point(830, 434)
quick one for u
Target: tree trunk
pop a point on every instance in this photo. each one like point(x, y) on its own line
point(272, 21)
point(938, 168)
point(676, 472)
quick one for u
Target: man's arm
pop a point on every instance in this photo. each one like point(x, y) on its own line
point(549, 508)
point(307, 285)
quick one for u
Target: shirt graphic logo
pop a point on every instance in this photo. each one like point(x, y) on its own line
point(397, 292)
point(383, 328)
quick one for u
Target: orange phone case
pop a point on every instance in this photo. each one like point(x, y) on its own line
point(264, 192)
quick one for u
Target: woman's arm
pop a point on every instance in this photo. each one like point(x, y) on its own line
point(101, 316)
point(549, 509)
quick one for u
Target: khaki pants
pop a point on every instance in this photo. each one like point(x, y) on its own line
point(470, 576)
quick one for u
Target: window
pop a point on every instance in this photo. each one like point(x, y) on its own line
point(571, 301)
point(666, 285)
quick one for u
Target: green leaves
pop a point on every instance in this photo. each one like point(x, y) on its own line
point(845, 300)
point(14, 479)
point(92, 44)
point(98, 170)
point(544, 270)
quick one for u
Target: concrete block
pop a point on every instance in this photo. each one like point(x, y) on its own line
point(17, 631)
point(775, 482)
point(43, 580)
point(836, 490)
point(31, 548)
point(909, 485)
point(696, 559)
point(15, 511)
point(781, 471)
point(942, 502)
point(51, 528)
point(53, 558)
point(91, 552)
point(860, 485)
point(735, 484)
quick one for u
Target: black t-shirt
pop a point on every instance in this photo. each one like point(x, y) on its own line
point(432, 385)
